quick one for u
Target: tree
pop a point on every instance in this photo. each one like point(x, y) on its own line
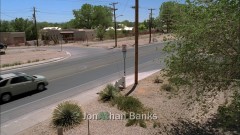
point(5, 26)
point(102, 16)
point(84, 16)
point(142, 27)
point(90, 16)
point(100, 32)
point(20, 24)
point(127, 23)
point(169, 13)
point(206, 53)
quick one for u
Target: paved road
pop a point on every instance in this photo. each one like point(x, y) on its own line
point(86, 69)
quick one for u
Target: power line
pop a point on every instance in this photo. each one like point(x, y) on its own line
point(136, 40)
point(35, 23)
point(150, 24)
point(115, 23)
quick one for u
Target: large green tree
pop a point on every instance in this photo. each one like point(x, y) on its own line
point(168, 16)
point(6, 26)
point(19, 25)
point(90, 16)
point(206, 53)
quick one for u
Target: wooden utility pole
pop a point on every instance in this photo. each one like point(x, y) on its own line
point(136, 41)
point(115, 23)
point(35, 23)
point(150, 24)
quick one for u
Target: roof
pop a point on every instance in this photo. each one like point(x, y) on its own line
point(67, 32)
point(52, 28)
point(10, 75)
point(5, 76)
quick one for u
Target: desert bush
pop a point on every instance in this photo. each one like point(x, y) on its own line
point(67, 115)
point(109, 93)
point(228, 117)
point(110, 34)
point(164, 38)
point(167, 87)
point(17, 63)
point(5, 65)
point(133, 105)
point(157, 80)
point(187, 127)
point(129, 104)
point(139, 122)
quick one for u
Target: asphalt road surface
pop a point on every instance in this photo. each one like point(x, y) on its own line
point(87, 68)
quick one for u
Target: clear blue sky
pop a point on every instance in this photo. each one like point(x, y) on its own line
point(61, 10)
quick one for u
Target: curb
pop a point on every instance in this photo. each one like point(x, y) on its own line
point(36, 63)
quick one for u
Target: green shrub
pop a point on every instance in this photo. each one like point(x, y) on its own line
point(110, 34)
point(129, 104)
point(164, 38)
point(37, 60)
point(132, 122)
point(109, 93)
point(17, 63)
point(228, 117)
point(157, 80)
point(6, 65)
point(100, 32)
point(67, 115)
point(167, 87)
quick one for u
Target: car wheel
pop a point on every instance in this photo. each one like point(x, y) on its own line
point(6, 97)
point(41, 87)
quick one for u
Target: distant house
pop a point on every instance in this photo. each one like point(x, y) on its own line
point(50, 34)
point(121, 27)
point(13, 38)
point(67, 35)
point(78, 34)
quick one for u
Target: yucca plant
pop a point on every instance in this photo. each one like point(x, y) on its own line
point(109, 93)
point(67, 115)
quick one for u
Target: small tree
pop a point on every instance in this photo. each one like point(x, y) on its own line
point(100, 32)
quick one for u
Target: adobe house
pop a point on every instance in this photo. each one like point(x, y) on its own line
point(78, 34)
point(13, 38)
point(50, 34)
point(87, 34)
point(55, 34)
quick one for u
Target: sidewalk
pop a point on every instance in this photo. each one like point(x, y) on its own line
point(17, 125)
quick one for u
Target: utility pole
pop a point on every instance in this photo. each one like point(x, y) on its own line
point(35, 23)
point(150, 24)
point(136, 41)
point(115, 23)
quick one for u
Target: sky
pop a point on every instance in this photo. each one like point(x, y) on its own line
point(61, 10)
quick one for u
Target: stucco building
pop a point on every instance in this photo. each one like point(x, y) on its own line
point(13, 38)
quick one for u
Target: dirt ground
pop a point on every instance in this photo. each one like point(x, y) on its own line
point(26, 55)
point(169, 106)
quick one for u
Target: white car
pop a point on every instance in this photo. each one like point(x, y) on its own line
point(13, 84)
